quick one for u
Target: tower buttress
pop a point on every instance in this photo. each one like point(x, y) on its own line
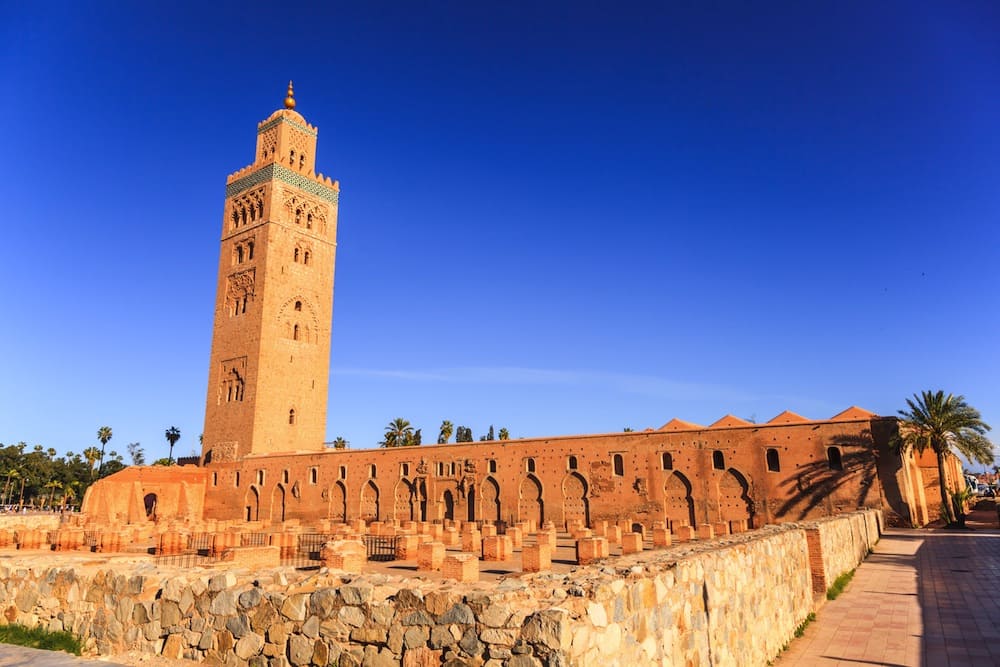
point(269, 367)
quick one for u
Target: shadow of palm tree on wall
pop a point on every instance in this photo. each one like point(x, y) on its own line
point(853, 469)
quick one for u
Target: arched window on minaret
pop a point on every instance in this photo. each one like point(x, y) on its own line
point(295, 332)
point(291, 157)
point(250, 250)
point(298, 305)
point(298, 216)
point(296, 256)
point(305, 258)
point(291, 416)
point(309, 221)
point(239, 254)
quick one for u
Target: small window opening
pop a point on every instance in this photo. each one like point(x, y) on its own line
point(834, 459)
point(295, 332)
point(773, 462)
point(237, 478)
point(298, 215)
point(309, 221)
point(295, 256)
point(493, 465)
point(298, 305)
point(239, 254)
point(305, 257)
point(291, 416)
point(284, 476)
point(250, 250)
point(667, 461)
point(404, 470)
point(313, 475)
point(372, 471)
point(571, 463)
point(260, 477)
point(529, 465)
point(343, 472)
point(618, 463)
point(215, 479)
point(718, 460)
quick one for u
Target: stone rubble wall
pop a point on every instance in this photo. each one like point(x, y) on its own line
point(842, 542)
point(731, 601)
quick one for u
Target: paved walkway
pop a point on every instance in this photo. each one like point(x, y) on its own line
point(923, 598)
point(19, 656)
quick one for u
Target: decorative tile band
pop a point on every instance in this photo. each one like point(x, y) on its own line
point(275, 171)
point(298, 126)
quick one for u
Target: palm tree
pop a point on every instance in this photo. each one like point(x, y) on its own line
point(340, 443)
point(447, 428)
point(54, 484)
point(945, 423)
point(92, 455)
point(104, 435)
point(397, 433)
point(8, 489)
point(173, 435)
point(504, 434)
point(135, 452)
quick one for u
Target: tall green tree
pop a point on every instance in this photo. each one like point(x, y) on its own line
point(463, 434)
point(447, 428)
point(503, 434)
point(397, 433)
point(137, 454)
point(173, 435)
point(944, 423)
point(104, 435)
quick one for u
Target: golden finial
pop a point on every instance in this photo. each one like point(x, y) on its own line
point(290, 100)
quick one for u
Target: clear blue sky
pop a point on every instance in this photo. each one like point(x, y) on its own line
point(555, 217)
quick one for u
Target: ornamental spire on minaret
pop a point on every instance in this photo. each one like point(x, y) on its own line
point(290, 97)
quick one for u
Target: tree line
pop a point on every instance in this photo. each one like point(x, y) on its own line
point(400, 433)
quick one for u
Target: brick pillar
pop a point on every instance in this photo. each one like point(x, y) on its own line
point(546, 537)
point(489, 530)
point(683, 533)
point(536, 557)
point(460, 567)
point(600, 528)
point(614, 534)
point(472, 542)
point(497, 548)
point(407, 547)
point(591, 549)
point(430, 556)
point(436, 531)
point(516, 535)
point(721, 528)
point(347, 555)
point(450, 537)
point(631, 543)
point(815, 547)
point(705, 531)
point(661, 538)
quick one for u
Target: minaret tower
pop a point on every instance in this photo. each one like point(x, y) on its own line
point(270, 362)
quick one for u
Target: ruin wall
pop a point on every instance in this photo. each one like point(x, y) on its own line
point(731, 601)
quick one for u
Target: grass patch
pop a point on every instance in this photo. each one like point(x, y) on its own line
point(39, 637)
point(839, 585)
point(799, 631)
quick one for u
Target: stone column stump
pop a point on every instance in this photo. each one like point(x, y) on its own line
point(536, 557)
point(460, 567)
point(705, 531)
point(591, 549)
point(430, 556)
point(347, 555)
point(406, 547)
point(497, 548)
point(631, 543)
point(661, 538)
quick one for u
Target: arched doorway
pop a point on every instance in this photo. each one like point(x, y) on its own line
point(530, 504)
point(471, 495)
point(678, 505)
point(369, 502)
point(252, 504)
point(278, 503)
point(576, 507)
point(403, 508)
point(491, 500)
point(734, 497)
point(338, 502)
point(149, 502)
point(449, 505)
